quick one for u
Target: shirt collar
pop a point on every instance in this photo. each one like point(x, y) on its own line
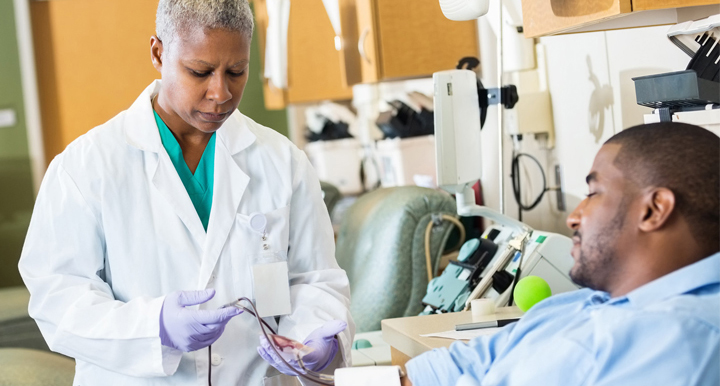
point(141, 130)
point(139, 124)
point(235, 133)
point(684, 280)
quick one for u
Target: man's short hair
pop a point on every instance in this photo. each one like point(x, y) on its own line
point(683, 158)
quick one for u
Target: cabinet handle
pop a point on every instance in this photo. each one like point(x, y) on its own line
point(361, 44)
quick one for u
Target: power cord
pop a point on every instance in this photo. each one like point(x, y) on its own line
point(515, 176)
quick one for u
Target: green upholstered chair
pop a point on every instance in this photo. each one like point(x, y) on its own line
point(17, 328)
point(381, 246)
point(28, 367)
point(25, 359)
point(331, 195)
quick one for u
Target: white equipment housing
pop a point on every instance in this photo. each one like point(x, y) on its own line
point(547, 255)
point(460, 10)
point(457, 128)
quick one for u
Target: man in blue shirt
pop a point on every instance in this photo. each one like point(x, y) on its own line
point(646, 242)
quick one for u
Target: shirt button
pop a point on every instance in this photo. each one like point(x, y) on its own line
point(216, 360)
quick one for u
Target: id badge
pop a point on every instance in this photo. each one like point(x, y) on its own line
point(271, 287)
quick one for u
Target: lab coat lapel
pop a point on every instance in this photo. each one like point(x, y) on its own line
point(167, 181)
point(230, 183)
point(141, 132)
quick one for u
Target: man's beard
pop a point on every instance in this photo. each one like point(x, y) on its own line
point(597, 260)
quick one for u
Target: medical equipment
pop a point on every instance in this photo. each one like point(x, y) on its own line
point(457, 138)
point(285, 348)
point(488, 267)
point(449, 291)
point(458, 120)
point(288, 349)
point(695, 89)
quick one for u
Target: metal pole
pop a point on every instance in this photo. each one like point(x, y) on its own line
point(31, 98)
point(501, 163)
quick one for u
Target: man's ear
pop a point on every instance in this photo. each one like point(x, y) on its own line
point(156, 53)
point(658, 205)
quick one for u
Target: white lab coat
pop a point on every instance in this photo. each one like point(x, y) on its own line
point(114, 231)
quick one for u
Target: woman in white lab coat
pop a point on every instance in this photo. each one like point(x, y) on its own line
point(157, 203)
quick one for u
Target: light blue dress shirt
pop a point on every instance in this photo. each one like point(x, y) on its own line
point(664, 333)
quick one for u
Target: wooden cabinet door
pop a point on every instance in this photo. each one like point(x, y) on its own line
point(367, 41)
point(314, 65)
point(351, 60)
point(405, 38)
point(313, 62)
point(382, 40)
point(415, 39)
point(549, 17)
point(274, 98)
point(93, 60)
point(643, 5)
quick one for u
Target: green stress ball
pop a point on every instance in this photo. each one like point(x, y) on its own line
point(529, 291)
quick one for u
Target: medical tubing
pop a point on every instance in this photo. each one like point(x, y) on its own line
point(428, 258)
point(245, 309)
point(262, 324)
point(322, 376)
point(515, 176)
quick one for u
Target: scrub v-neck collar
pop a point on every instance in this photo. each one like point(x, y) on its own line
point(199, 186)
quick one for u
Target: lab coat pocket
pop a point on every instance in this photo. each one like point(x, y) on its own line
point(264, 234)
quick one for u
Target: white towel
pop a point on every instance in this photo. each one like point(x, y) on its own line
point(276, 42)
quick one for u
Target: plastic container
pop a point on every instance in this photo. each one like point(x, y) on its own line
point(337, 162)
point(407, 161)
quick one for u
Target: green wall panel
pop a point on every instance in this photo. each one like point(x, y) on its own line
point(13, 140)
point(16, 193)
point(253, 103)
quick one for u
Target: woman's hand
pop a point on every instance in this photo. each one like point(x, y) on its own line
point(188, 330)
point(322, 341)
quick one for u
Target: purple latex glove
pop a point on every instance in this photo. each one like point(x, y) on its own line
point(324, 345)
point(188, 330)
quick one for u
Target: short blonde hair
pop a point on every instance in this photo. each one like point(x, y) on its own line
point(177, 16)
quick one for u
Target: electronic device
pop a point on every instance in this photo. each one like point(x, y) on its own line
point(486, 261)
point(449, 291)
point(459, 98)
point(547, 255)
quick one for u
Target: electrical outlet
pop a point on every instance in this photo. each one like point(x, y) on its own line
point(559, 192)
point(7, 118)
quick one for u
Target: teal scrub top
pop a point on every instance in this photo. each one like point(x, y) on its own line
point(200, 185)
